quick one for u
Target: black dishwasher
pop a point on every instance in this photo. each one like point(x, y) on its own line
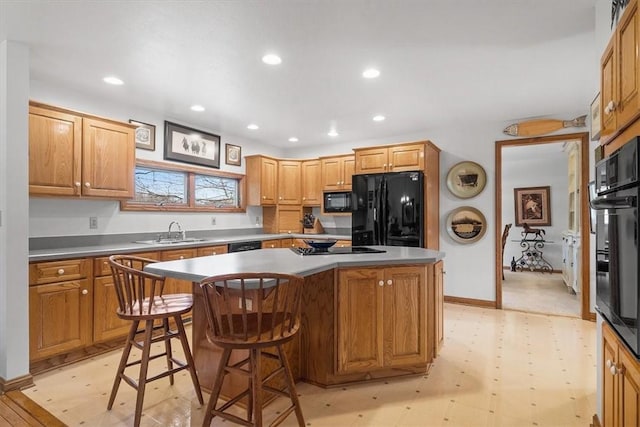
point(245, 246)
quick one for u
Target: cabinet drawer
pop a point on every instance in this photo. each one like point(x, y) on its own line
point(101, 264)
point(178, 254)
point(269, 244)
point(213, 250)
point(59, 271)
point(343, 243)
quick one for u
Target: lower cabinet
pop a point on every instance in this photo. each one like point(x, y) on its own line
point(620, 382)
point(177, 286)
point(381, 316)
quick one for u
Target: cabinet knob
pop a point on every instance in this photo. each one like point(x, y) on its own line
point(87, 184)
point(181, 256)
point(611, 106)
point(105, 263)
point(390, 165)
point(77, 183)
point(280, 198)
point(84, 292)
point(381, 283)
point(304, 198)
point(613, 369)
point(273, 246)
point(264, 197)
point(60, 271)
point(389, 282)
point(214, 253)
point(608, 363)
point(384, 166)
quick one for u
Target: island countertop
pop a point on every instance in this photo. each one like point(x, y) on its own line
point(287, 262)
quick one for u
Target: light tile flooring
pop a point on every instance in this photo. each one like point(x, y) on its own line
point(496, 368)
point(538, 292)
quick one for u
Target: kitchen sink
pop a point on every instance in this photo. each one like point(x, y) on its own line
point(169, 241)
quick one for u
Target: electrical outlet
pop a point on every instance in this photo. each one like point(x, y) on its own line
point(93, 222)
point(257, 220)
point(248, 302)
point(213, 220)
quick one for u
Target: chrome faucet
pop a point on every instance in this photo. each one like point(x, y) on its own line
point(183, 234)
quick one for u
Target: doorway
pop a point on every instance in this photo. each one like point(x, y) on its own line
point(581, 141)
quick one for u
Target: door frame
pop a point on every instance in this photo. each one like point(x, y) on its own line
point(583, 139)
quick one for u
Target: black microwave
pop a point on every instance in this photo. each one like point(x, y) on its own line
point(336, 202)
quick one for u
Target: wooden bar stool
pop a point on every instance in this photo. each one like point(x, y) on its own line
point(252, 311)
point(141, 299)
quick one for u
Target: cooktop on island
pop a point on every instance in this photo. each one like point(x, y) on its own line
point(337, 251)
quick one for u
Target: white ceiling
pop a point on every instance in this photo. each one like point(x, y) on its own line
point(442, 62)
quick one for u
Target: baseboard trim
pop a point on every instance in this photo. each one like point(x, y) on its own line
point(470, 301)
point(18, 383)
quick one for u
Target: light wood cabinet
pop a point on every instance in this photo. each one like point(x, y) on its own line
point(372, 331)
point(289, 182)
point(343, 243)
point(620, 73)
point(71, 154)
point(106, 323)
point(393, 158)
point(272, 244)
point(262, 180)
point(311, 185)
point(337, 172)
point(620, 382)
point(177, 286)
point(282, 219)
point(212, 250)
point(436, 313)
point(60, 312)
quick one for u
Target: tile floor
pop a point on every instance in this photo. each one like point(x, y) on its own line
point(496, 368)
point(538, 292)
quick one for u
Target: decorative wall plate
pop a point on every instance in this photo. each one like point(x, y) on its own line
point(466, 224)
point(466, 179)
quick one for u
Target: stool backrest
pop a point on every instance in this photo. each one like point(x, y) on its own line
point(136, 290)
point(252, 308)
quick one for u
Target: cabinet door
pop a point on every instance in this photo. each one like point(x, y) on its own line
point(607, 90)
point(271, 244)
point(176, 286)
point(404, 316)
point(331, 174)
point(348, 169)
point(106, 323)
point(609, 395)
point(59, 318)
point(268, 182)
point(55, 150)
point(289, 218)
point(289, 182)
point(343, 243)
point(213, 250)
point(406, 158)
point(360, 323)
point(108, 159)
point(371, 160)
point(628, 75)
point(628, 389)
point(439, 305)
point(311, 186)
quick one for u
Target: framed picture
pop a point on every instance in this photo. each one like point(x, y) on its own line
point(145, 135)
point(233, 154)
point(466, 179)
point(189, 145)
point(595, 118)
point(532, 205)
point(592, 212)
point(466, 224)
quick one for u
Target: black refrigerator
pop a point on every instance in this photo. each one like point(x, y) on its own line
point(387, 209)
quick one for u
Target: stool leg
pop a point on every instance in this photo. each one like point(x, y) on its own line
point(256, 386)
point(291, 385)
point(217, 387)
point(144, 365)
point(189, 358)
point(123, 362)
point(167, 347)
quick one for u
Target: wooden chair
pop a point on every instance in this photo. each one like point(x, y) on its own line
point(252, 311)
point(505, 234)
point(141, 299)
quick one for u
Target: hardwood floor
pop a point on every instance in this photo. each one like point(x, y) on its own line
point(496, 368)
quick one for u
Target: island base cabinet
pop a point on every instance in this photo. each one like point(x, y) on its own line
point(381, 317)
point(620, 382)
point(60, 318)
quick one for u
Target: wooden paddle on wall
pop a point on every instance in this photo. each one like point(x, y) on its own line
point(542, 126)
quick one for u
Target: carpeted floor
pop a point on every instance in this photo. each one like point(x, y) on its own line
point(538, 293)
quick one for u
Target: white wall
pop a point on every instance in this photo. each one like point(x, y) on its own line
point(541, 168)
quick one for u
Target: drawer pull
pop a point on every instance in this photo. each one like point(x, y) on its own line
point(60, 271)
point(389, 282)
point(85, 292)
point(381, 283)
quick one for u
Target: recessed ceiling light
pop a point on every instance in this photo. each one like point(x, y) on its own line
point(370, 73)
point(271, 59)
point(253, 126)
point(332, 133)
point(113, 80)
point(293, 139)
point(379, 118)
point(198, 108)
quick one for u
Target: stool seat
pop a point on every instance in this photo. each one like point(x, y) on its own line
point(158, 307)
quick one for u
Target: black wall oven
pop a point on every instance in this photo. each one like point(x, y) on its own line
point(616, 205)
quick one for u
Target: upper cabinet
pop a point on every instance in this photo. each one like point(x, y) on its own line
point(620, 74)
point(394, 158)
point(289, 182)
point(337, 172)
point(262, 179)
point(311, 187)
point(72, 154)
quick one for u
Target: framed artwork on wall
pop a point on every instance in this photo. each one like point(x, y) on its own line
point(532, 205)
point(190, 145)
point(145, 135)
point(595, 118)
point(466, 224)
point(233, 155)
point(466, 179)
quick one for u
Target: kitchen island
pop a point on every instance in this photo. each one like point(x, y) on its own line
point(364, 316)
